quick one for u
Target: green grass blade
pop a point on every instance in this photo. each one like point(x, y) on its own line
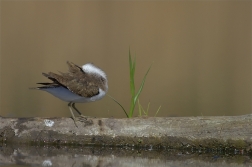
point(132, 73)
point(141, 87)
point(134, 98)
point(157, 111)
point(132, 106)
point(132, 65)
point(139, 108)
point(119, 105)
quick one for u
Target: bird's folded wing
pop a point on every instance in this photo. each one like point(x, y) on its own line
point(76, 82)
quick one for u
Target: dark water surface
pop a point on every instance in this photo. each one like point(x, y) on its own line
point(24, 156)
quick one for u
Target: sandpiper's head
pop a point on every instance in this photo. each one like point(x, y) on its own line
point(93, 70)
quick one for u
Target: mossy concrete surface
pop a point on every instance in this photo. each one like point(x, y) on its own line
point(219, 133)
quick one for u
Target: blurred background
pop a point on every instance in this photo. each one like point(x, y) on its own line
point(201, 55)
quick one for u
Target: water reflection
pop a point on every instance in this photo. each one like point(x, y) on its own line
point(115, 157)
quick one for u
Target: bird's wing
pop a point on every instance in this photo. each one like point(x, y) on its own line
point(76, 81)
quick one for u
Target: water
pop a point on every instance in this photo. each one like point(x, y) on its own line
point(24, 156)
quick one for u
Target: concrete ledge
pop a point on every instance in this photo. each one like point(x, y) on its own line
point(222, 132)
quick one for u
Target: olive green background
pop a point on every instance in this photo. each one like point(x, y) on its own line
point(200, 51)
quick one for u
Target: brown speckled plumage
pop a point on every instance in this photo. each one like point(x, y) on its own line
point(77, 81)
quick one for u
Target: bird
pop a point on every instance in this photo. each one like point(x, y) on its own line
point(81, 84)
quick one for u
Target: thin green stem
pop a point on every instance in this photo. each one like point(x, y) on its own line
point(157, 111)
point(119, 105)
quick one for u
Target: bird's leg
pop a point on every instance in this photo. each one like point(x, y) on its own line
point(69, 106)
point(76, 109)
point(83, 116)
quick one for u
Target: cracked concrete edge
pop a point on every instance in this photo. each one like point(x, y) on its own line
point(154, 132)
